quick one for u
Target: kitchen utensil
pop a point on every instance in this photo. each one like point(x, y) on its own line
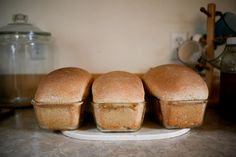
point(189, 52)
point(226, 25)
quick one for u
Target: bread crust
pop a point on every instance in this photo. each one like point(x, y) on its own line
point(65, 85)
point(173, 82)
point(118, 87)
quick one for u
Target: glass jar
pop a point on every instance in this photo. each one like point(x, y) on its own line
point(228, 79)
point(25, 57)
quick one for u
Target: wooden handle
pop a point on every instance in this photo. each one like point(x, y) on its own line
point(202, 9)
point(211, 9)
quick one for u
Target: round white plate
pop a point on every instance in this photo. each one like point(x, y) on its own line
point(149, 131)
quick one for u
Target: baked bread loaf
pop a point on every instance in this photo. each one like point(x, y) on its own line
point(181, 95)
point(118, 102)
point(60, 98)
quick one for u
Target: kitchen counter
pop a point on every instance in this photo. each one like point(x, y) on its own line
point(21, 136)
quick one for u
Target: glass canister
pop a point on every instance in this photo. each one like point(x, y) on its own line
point(25, 57)
point(228, 79)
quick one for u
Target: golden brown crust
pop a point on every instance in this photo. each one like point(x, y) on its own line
point(118, 87)
point(119, 117)
point(64, 85)
point(182, 114)
point(50, 117)
point(173, 82)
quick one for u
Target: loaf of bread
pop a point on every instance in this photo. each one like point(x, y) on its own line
point(118, 102)
point(60, 98)
point(181, 95)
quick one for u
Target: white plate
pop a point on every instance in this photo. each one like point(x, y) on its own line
point(149, 131)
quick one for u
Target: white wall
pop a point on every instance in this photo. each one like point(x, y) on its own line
point(105, 35)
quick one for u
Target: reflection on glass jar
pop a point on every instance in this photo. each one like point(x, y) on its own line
point(25, 57)
point(228, 79)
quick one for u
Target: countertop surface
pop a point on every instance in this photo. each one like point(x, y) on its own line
point(21, 136)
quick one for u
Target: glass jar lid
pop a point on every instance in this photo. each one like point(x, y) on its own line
point(231, 41)
point(20, 25)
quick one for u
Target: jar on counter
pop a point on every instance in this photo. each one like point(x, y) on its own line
point(25, 57)
point(228, 79)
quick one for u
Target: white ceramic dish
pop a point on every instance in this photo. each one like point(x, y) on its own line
point(149, 131)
